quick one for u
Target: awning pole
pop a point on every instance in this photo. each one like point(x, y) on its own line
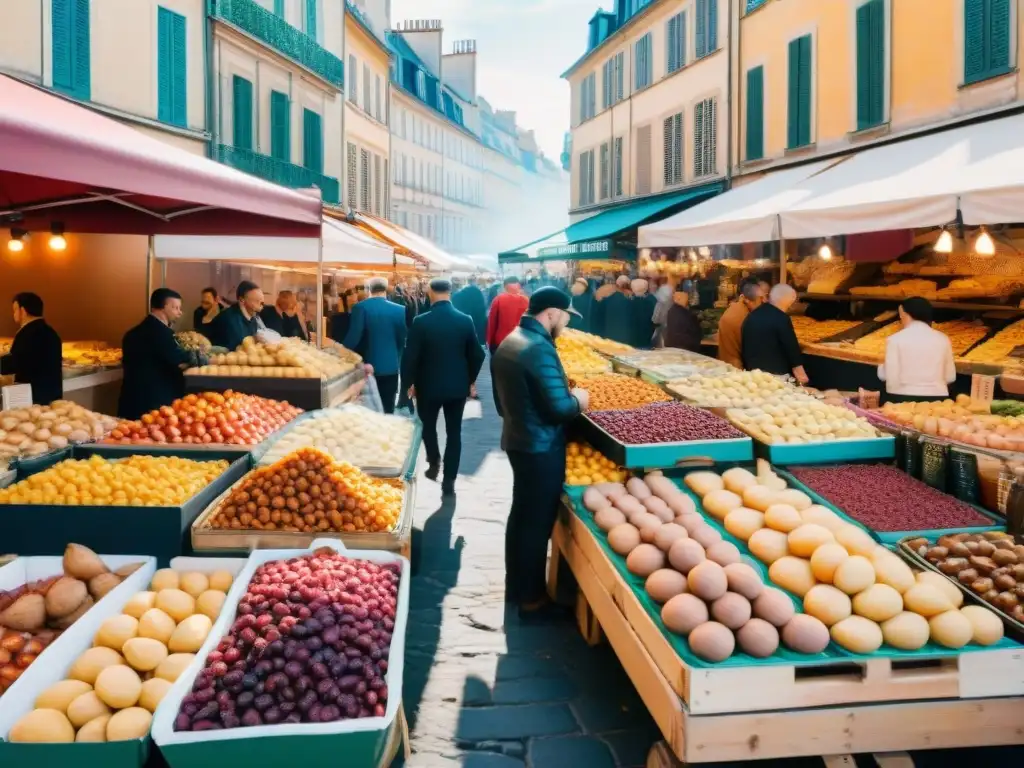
point(150, 255)
point(320, 290)
point(782, 250)
point(163, 274)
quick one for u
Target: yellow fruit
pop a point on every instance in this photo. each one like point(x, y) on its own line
point(42, 726)
point(89, 665)
point(118, 687)
point(60, 695)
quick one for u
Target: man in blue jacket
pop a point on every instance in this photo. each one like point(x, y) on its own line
point(441, 363)
point(377, 332)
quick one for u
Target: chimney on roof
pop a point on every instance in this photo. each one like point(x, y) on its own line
point(424, 36)
point(459, 69)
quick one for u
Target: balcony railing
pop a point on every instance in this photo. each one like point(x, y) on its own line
point(271, 29)
point(278, 171)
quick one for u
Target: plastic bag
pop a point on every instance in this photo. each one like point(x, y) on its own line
point(370, 397)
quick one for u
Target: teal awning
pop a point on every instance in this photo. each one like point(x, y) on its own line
point(598, 237)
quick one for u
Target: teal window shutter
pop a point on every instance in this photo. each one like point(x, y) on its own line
point(755, 113)
point(986, 39)
point(712, 44)
point(701, 38)
point(70, 47)
point(870, 64)
point(279, 7)
point(312, 141)
point(799, 93)
point(280, 126)
point(676, 42)
point(171, 68)
point(241, 91)
point(311, 18)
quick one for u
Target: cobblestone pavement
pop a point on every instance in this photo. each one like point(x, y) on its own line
point(480, 690)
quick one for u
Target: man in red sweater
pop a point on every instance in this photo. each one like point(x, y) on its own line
point(506, 310)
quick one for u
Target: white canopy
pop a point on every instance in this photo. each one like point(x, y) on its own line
point(745, 214)
point(918, 183)
point(438, 258)
point(344, 245)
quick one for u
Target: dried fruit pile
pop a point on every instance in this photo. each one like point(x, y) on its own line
point(33, 615)
point(112, 689)
point(42, 428)
point(232, 418)
point(307, 491)
point(885, 499)
point(585, 465)
point(664, 423)
point(137, 481)
point(613, 391)
point(310, 644)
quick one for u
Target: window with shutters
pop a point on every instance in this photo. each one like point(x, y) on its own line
point(607, 83)
point(672, 128)
point(754, 125)
point(171, 68)
point(280, 126)
point(588, 97)
point(421, 85)
point(605, 171)
point(706, 33)
point(643, 160)
point(987, 36)
point(352, 175)
point(586, 178)
point(353, 80)
point(378, 184)
point(705, 138)
point(871, 64)
point(241, 113)
point(71, 48)
point(367, 91)
point(312, 141)
point(798, 108)
point(311, 18)
point(364, 181)
point(387, 192)
point(376, 98)
point(675, 42)
point(620, 76)
point(643, 63)
point(617, 168)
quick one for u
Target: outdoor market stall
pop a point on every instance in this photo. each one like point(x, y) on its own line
point(811, 590)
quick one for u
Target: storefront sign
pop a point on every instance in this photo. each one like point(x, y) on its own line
point(576, 250)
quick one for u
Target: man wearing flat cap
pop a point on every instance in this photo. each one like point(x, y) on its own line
point(442, 359)
point(533, 398)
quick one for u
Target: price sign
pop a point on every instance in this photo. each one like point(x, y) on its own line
point(983, 388)
point(17, 396)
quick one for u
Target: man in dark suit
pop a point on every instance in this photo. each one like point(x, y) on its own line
point(470, 300)
point(441, 362)
point(153, 361)
point(769, 342)
point(377, 332)
point(239, 321)
point(36, 355)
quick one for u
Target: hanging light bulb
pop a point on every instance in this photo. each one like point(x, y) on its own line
point(945, 242)
point(704, 251)
point(57, 240)
point(17, 242)
point(984, 245)
point(825, 252)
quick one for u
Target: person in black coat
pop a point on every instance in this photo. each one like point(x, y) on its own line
point(442, 359)
point(532, 397)
point(36, 356)
point(470, 300)
point(582, 302)
point(153, 361)
point(283, 318)
point(769, 341)
point(207, 311)
point(682, 326)
point(238, 322)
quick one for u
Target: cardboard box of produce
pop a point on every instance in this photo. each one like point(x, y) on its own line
point(57, 659)
point(308, 394)
point(44, 529)
point(362, 741)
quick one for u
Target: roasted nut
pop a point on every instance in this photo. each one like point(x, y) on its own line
point(1004, 544)
point(986, 548)
point(935, 554)
point(993, 535)
point(1018, 590)
point(1006, 601)
point(953, 565)
point(917, 543)
point(985, 565)
point(973, 547)
point(959, 550)
point(1005, 557)
point(990, 596)
point(1005, 582)
point(966, 576)
point(1018, 571)
point(982, 585)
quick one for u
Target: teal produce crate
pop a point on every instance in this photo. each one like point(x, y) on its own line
point(827, 452)
point(361, 743)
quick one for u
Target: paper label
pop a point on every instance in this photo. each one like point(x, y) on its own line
point(17, 396)
point(983, 388)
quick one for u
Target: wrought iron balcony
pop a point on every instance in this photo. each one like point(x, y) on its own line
point(278, 171)
point(274, 31)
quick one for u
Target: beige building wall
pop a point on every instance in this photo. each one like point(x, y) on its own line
point(367, 135)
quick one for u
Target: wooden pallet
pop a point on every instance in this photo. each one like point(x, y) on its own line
point(832, 730)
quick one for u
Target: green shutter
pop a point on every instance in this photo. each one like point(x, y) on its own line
point(798, 105)
point(171, 68)
point(755, 113)
point(279, 7)
point(280, 126)
point(974, 40)
point(702, 29)
point(82, 59)
point(70, 47)
point(712, 44)
point(986, 39)
point(999, 37)
point(311, 18)
point(312, 141)
point(870, 64)
point(805, 90)
point(241, 90)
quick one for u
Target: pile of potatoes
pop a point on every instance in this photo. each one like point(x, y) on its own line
point(113, 689)
point(864, 593)
point(707, 593)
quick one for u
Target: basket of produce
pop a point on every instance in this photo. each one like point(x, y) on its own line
point(664, 434)
point(887, 502)
point(987, 567)
point(811, 432)
point(614, 391)
point(377, 443)
point(303, 496)
point(328, 657)
point(735, 389)
point(38, 430)
point(585, 466)
point(597, 343)
point(43, 597)
point(95, 702)
point(873, 603)
point(115, 505)
point(579, 359)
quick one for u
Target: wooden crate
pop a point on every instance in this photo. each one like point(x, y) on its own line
point(780, 686)
point(804, 730)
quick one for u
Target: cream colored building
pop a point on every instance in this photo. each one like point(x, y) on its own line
point(649, 102)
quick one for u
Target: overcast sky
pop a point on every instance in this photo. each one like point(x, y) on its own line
point(523, 46)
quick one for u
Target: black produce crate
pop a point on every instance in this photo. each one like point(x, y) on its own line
point(308, 394)
point(162, 532)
